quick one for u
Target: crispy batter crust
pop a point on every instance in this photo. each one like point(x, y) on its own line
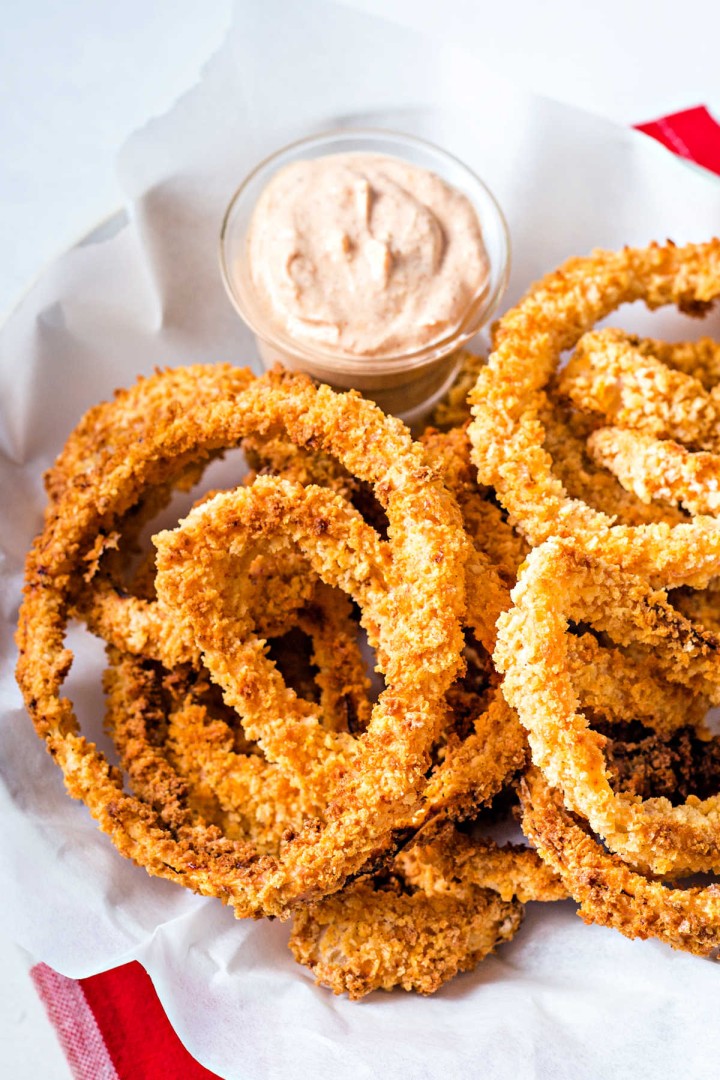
point(366, 939)
point(491, 746)
point(616, 686)
point(510, 399)
point(148, 449)
point(447, 904)
point(663, 442)
point(659, 469)
point(454, 860)
point(584, 479)
point(610, 892)
point(562, 583)
point(608, 375)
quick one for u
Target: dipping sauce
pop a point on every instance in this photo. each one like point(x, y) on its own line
point(366, 259)
point(365, 254)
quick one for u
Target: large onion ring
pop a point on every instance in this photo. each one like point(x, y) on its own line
point(427, 540)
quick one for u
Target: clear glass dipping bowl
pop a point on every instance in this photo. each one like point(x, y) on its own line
point(406, 384)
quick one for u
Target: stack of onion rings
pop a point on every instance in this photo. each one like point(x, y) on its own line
point(255, 762)
point(266, 793)
point(610, 465)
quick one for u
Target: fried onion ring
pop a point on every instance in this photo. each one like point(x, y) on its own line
point(427, 543)
point(609, 892)
point(566, 441)
point(454, 859)
point(367, 938)
point(659, 469)
point(446, 905)
point(510, 397)
point(608, 375)
point(562, 584)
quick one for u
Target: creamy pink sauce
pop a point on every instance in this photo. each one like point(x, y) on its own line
point(365, 254)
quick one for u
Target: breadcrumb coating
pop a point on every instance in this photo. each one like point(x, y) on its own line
point(154, 443)
point(511, 397)
point(610, 892)
point(607, 375)
point(562, 583)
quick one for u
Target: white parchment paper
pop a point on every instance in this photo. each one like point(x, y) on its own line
point(562, 1000)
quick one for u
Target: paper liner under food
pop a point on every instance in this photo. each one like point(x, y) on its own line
point(561, 1000)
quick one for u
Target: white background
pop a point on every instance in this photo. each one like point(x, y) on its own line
point(77, 78)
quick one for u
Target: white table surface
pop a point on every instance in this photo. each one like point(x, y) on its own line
point(78, 77)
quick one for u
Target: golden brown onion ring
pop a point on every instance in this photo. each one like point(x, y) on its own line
point(659, 469)
point(510, 397)
point(562, 584)
point(609, 376)
point(446, 904)
point(609, 892)
point(369, 938)
point(426, 525)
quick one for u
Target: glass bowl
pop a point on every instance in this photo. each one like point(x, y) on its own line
point(406, 384)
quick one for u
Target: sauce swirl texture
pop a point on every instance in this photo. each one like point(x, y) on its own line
point(365, 254)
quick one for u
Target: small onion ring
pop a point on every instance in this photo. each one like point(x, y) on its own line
point(659, 469)
point(368, 938)
point(609, 376)
point(609, 892)
point(447, 903)
point(566, 436)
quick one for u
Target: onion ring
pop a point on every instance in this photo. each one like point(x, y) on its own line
point(453, 859)
point(377, 449)
point(510, 397)
point(608, 375)
point(244, 793)
point(368, 938)
point(655, 469)
point(559, 584)
point(700, 358)
point(609, 892)
point(474, 766)
point(446, 904)
point(566, 441)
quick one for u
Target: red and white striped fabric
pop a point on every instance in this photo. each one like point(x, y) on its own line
point(112, 1026)
point(692, 134)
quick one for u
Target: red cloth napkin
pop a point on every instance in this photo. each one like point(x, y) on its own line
point(112, 1026)
point(692, 134)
